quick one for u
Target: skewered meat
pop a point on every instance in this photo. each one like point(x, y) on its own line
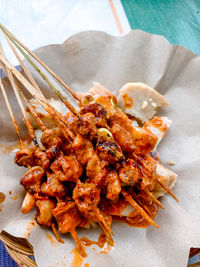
point(53, 186)
point(83, 149)
point(50, 138)
point(99, 113)
point(84, 125)
point(130, 173)
point(33, 179)
point(87, 197)
point(25, 157)
point(67, 216)
point(67, 168)
point(109, 151)
point(96, 171)
point(113, 185)
point(95, 165)
point(41, 158)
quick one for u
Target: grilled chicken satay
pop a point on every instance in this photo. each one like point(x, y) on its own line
point(87, 197)
point(97, 158)
point(29, 201)
point(69, 218)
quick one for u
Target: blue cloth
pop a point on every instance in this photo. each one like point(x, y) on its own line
point(2, 75)
point(5, 259)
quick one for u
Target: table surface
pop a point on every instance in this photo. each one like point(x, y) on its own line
point(54, 21)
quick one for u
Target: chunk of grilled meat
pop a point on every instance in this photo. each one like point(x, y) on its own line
point(67, 168)
point(99, 113)
point(32, 179)
point(25, 157)
point(53, 186)
point(109, 151)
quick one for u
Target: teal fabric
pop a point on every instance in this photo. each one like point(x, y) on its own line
point(176, 20)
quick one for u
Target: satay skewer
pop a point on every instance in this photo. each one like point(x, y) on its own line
point(155, 200)
point(79, 246)
point(59, 239)
point(137, 207)
point(29, 201)
point(54, 114)
point(167, 189)
point(16, 41)
point(15, 88)
point(33, 112)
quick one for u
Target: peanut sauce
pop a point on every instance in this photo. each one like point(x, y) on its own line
point(128, 101)
point(133, 222)
point(100, 243)
point(77, 260)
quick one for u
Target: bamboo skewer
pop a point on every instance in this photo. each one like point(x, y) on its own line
point(59, 239)
point(167, 189)
point(26, 70)
point(154, 199)
point(20, 77)
point(79, 245)
point(15, 88)
point(11, 114)
point(34, 113)
point(9, 35)
point(44, 77)
point(137, 207)
point(54, 114)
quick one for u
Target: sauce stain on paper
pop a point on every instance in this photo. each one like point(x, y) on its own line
point(52, 240)
point(77, 260)
point(29, 228)
point(2, 198)
point(15, 197)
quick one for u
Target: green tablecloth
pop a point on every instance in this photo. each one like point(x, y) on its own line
point(176, 20)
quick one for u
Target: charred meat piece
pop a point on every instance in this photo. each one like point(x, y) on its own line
point(32, 179)
point(84, 125)
point(41, 158)
point(138, 140)
point(67, 216)
point(109, 151)
point(130, 173)
point(96, 171)
point(44, 211)
point(53, 186)
point(113, 185)
point(99, 113)
point(83, 149)
point(123, 137)
point(67, 168)
point(148, 167)
point(25, 157)
point(87, 197)
point(50, 138)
